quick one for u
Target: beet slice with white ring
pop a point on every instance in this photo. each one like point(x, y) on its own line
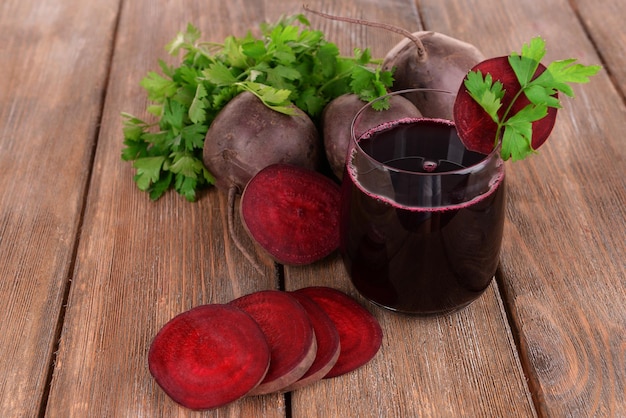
point(209, 356)
point(293, 213)
point(289, 333)
point(328, 345)
point(360, 334)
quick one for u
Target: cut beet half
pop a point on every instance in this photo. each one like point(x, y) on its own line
point(360, 334)
point(293, 213)
point(476, 128)
point(289, 333)
point(209, 356)
point(327, 337)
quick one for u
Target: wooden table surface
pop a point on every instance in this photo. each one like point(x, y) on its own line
point(90, 268)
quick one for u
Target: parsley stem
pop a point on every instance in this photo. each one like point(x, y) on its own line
point(502, 121)
point(336, 78)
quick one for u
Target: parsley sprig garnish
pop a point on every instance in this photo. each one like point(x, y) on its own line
point(289, 63)
point(515, 129)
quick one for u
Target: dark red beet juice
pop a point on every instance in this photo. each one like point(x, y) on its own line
point(421, 232)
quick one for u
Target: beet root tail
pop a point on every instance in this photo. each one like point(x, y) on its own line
point(232, 194)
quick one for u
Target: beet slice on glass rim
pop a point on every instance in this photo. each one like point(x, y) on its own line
point(360, 334)
point(289, 333)
point(209, 356)
point(293, 213)
point(475, 127)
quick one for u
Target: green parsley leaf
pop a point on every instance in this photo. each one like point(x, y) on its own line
point(197, 110)
point(540, 95)
point(486, 92)
point(232, 53)
point(517, 137)
point(186, 186)
point(158, 87)
point(174, 116)
point(310, 102)
point(148, 171)
point(193, 136)
point(526, 64)
point(560, 73)
point(186, 165)
point(277, 99)
point(183, 40)
point(219, 74)
point(160, 186)
point(254, 49)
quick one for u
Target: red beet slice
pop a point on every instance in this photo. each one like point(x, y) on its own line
point(327, 337)
point(360, 334)
point(476, 128)
point(293, 213)
point(209, 356)
point(289, 333)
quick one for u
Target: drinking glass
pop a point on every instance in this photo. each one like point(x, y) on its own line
point(421, 216)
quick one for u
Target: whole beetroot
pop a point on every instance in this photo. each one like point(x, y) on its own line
point(337, 119)
point(441, 63)
point(247, 136)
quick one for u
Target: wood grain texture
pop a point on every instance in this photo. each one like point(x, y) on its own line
point(54, 59)
point(546, 339)
point(139, 262)
point(604, 23)
point(563, 268)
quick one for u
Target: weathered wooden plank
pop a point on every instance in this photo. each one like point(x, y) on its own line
point(55, 57)
point(437, 366)
point(604, 23)
point(140, 262)
point(563, 267)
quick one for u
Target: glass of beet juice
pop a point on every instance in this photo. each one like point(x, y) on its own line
point(421, 216)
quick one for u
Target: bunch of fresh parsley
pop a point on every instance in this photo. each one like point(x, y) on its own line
point(515, 129)
point(289, 63)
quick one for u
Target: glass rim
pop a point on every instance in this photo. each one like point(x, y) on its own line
point(461, 171)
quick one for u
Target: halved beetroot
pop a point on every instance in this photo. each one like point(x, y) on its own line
point(209, 356)
point(476, 128)
point(293, 213)
point(289, 333)
point(328, 346)
point(360, 334)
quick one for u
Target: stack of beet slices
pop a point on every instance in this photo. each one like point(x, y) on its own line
point(264, 342)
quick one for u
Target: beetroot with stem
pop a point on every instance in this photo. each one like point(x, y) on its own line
point(293, 213)
point(289, 333)
point(247, 136)
point(476, 128)
point(426, 60)
point(360, 334)
point(328, 345)
point(209, 356)
point(442, 65)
